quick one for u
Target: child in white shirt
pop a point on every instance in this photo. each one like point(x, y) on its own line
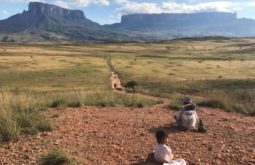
point(163, 154)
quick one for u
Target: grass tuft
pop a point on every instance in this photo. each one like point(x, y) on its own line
point(8, 129)
point(21, 114)
point(212, 103)
point(57, 103)
point(57, 157)
point(74, 104)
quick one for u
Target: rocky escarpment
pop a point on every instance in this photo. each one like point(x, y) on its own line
point(45, 22)
point(174, 21)
point(38, 8)
point(167, 25)
point(180, 19)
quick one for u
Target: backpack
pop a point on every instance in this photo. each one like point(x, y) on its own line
point(201, 126)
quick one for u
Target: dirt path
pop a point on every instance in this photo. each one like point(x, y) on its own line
point(126, 136)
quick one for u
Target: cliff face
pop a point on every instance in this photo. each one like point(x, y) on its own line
point(52, 23)
point(176, 20)
point(49, 22)
point(165, 26)
point(48, 17)
point(38, 8)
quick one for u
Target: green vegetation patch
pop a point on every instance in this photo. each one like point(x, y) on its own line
point(110, 99)
point(231, 95)
point(21, 114)
point(57, 157)
point(101, 99)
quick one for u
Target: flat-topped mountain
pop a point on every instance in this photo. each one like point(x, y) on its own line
point(44, 22)
point(49, 23)
point(40, 9)
point(187, 24)
point(178, 20)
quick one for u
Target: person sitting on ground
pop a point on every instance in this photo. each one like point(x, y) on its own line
point(163, 153)
point(187, 118)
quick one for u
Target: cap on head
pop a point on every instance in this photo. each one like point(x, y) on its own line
point(187, 100)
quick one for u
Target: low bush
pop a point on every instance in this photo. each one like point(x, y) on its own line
point(213, 103)
point(57, 157)
point(57, 103)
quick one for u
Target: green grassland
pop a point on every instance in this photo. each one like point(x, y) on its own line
point(218, 73)
point(36, 77)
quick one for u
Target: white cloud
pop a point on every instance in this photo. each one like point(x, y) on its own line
point(5, 12)
point(120, 1)
point(172, 7)
point(80, 3)
point(61, 4)
point(103, 2)
point(251, 4)
point(134, 7)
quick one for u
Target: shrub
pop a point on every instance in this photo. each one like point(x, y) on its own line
point(56, 157)
point(74, 104)
point(252, 113)
point(213, 103)
point(139, 105)
point(31, 121)
point(44, 126)
point(8, 129)
point(57, 103)
point(31, 130)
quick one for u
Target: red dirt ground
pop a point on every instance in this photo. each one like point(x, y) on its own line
point(114, 136)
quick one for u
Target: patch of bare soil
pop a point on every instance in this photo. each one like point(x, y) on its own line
point(109, 136)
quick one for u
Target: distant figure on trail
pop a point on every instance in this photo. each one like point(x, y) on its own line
point(115, 80)
point(163, 153)
point(132, 85)
point(187, 118)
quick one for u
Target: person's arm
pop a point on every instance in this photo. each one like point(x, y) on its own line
point(169, 155)
point(197, 117)
point(181, 114)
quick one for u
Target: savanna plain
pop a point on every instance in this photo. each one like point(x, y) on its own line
point(57, 105)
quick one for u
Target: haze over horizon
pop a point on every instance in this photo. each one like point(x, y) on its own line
point(110, 11)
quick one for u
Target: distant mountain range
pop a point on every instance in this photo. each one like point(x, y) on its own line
point(45, 22)
point(49, 23)
point(165, 26)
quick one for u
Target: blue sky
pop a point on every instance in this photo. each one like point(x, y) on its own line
point(109, 11)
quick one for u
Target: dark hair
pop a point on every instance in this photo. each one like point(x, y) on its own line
point(187, 100)
point(161, 136)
